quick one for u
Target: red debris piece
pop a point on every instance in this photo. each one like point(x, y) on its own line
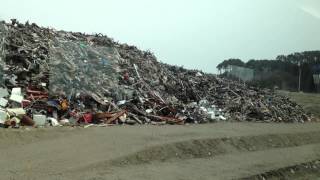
point(87, 118)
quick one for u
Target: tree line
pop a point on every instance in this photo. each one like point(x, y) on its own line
point(282, 72)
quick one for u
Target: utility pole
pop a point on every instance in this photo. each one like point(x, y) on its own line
point(299, 87)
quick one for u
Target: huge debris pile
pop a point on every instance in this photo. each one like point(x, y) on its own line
point(62, 78)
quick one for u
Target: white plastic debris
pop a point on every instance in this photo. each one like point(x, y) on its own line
point(3, 102)
point(141, 100)
point(16, 111)
point(16, 98)
point(203, 109)
point(3, 92)
point(211, 115)
point(121, 102)
point(16, 95)
point(55, 114)
point(222, 118)
point(149, 111)
point(64, 121)
point(39, 119)
point(123, 118)
point(54, 122)
point(16, 91)
point(199, 74)
point(136, 69)
point(3, 116)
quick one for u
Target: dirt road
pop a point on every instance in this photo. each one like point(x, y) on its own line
point(214, 151)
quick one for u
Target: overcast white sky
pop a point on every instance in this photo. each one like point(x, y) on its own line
point(194, 33)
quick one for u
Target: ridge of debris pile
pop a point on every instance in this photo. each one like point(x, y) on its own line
point(57, 78)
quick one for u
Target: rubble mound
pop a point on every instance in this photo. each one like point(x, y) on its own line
point(60, 77)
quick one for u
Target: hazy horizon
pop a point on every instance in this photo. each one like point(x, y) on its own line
point(197, 35)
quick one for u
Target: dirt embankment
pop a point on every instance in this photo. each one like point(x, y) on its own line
point(217, 151)
point(310, 170)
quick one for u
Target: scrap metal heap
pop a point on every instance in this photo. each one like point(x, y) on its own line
point(59, 78)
